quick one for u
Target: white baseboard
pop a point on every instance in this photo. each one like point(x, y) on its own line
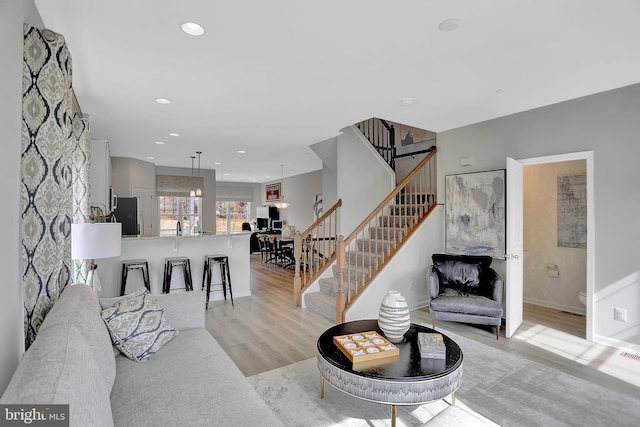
point(620, 345)
point(419, 305)
point(562, 307)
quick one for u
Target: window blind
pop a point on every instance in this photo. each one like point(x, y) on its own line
point(177, 186)
point(239, 193)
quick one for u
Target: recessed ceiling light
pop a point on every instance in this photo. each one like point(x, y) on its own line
point(192, 28)
point(267, 177)
point(407, 101)
point(160, 142)
point(449, 25)
point(217, 163)
point(174, 134)
point(242, 152)
point(150, 157)
point(226, 174)
point(162, 101)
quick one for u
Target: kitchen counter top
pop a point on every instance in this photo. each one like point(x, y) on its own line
point(198, 236)
point(156, 249)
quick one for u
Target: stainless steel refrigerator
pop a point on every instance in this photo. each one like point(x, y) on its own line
point(127, 212)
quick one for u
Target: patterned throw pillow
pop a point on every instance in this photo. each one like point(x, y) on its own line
point(138, 326)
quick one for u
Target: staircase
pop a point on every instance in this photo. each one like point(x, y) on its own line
point(361, 262)
point(363, 254)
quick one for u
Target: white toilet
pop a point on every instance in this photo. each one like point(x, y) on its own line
point(582, 296)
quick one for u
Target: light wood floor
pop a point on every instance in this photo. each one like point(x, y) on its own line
point(265, 331)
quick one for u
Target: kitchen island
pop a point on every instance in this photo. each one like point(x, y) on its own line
point(156, 249)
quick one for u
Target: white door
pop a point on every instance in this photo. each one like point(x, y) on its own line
point(145, 204)
point(514, 255)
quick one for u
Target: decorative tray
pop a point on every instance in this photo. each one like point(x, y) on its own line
point(365, 346)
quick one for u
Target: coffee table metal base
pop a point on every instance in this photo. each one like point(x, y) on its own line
point(393, 406)
point(390, 392)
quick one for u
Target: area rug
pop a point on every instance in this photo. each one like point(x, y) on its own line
point(497, 389)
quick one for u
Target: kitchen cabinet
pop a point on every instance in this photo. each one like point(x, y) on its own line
point(100, 176)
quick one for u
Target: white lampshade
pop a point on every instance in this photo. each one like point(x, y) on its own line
point(96, 240)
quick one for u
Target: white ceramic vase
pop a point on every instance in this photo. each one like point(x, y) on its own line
point(393, 318)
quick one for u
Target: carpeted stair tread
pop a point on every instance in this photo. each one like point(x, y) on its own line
point(322, 304)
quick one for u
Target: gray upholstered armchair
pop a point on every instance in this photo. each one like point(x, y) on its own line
point(464, 288)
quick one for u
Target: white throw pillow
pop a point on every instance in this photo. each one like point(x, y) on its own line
point(138, 326)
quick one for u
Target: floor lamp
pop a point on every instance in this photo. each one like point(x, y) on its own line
point(93, 241)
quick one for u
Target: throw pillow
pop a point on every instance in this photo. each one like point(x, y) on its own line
point(138, 326)
point(110, 302)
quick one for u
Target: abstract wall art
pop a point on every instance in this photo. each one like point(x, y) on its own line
point(476, 213)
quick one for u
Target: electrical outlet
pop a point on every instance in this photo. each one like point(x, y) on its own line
point(620, 314)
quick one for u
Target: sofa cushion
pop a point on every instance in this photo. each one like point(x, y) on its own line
point(70, 362)
point(191, 382)
point(185, 310)
point(138, 326)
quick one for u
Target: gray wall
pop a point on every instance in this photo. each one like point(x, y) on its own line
point(127, 173)
point(327, 151)
point(12, 16)
point(299, 191)
point(364, 179)
point(608, 124)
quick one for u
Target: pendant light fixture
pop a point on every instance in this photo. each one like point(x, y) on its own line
point(282, 204)
point(192, 193)
point(199, 190)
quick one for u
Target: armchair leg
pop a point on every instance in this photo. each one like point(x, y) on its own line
point(433, 323)
point(497, 331)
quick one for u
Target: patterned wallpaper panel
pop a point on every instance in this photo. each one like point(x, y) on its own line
point(80, 161)
point(52, 143)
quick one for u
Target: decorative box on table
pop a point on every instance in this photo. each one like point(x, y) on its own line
point(432, 345)
point(366, 346)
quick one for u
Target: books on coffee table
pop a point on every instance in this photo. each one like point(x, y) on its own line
point(432, 345)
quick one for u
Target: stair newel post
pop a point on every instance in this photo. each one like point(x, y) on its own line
point(340, 298)
point(297, 280)
point(392, 140)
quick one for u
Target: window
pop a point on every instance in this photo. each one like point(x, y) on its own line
point(186, 209)
point(230, 215)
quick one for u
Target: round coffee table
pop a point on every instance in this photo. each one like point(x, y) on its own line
point(407, 380)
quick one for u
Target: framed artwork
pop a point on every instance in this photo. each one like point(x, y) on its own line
point(273, 192)
point(475, 209)
point(572, 211)
point(317, 207)
point(410, 139)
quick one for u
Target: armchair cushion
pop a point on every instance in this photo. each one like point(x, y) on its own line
point(459, 302)
point(462, 272)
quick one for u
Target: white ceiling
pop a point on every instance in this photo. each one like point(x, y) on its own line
point(274, 77)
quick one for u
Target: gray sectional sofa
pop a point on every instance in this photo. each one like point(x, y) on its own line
point(190, 381)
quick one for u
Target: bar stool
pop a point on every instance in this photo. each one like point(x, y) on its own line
point(134, 264)
point(169, 264)
point(223, 261)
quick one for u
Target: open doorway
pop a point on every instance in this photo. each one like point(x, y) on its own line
point(555, 244)
point(514, 290)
